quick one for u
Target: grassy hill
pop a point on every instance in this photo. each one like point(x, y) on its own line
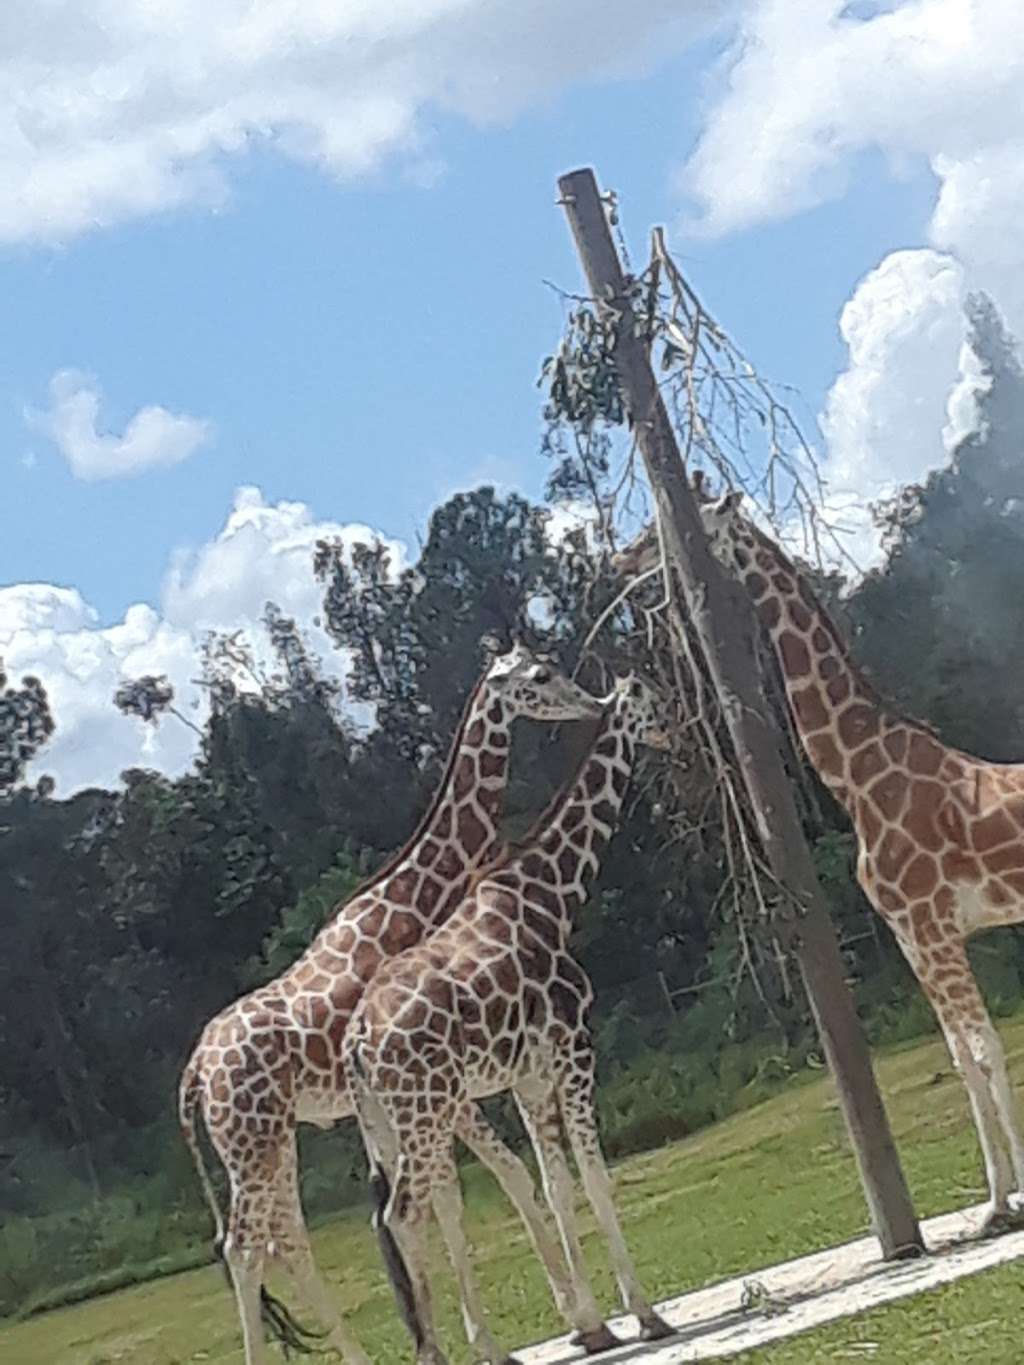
point(765, 1185)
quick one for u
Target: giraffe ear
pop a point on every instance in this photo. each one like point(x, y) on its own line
point(729, 502)
point(496, 659)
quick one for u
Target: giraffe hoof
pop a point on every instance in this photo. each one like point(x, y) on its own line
point(655, 1328)
point(1001, 1221)
point(594, 1342)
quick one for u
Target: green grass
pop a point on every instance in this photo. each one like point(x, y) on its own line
point(770, 1183)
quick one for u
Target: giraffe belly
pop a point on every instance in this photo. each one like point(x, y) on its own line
point(488, 1073)
point(986, 905)
point(323, 1110)
point(491, 1072)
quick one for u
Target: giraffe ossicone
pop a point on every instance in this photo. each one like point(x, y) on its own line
point(495, 1002)
point(273, 1058)
point(940, 833)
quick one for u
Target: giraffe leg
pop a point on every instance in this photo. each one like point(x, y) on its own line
point(245, 1266)
point(576, 1098)
point(987, 1047)
point(998, 1171)
point(290, 1242)
point(968, 1030)
point(244, 1251)
point(405, 1220)
point(539, 1109)
point(448, 1208)
point(517, 1183)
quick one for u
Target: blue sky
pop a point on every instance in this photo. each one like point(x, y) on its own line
point(364, 344)
point(367, 348)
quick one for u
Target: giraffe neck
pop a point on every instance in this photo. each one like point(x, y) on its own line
point(558, 864)
point(461, 830)
point(836, 711)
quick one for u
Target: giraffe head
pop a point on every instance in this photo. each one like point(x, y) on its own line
point(640, 555)
point(642, 712)
point(731, 538)
point(528, 684)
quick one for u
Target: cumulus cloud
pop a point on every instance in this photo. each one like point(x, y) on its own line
point(888, 417)
point(117, 110)
point(809, 85)
point(812, 82)
point(152, 437)
point(263, 552)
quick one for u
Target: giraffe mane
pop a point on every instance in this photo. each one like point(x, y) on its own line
point(514, 848)
point(841, 644)
point(401, 853)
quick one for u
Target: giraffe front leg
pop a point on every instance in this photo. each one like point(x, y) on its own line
point(539, 1110)
point(575, 1095)
point(518, 1185)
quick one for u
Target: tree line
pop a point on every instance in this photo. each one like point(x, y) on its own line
point(130, 916)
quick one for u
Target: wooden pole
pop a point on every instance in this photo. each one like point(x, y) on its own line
point(723, 617)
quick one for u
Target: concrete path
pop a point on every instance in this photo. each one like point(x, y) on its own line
point(779, 1301)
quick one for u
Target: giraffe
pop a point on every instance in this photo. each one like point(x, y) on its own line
point(494, 1002)
point(940, 833)
point(272, 1059)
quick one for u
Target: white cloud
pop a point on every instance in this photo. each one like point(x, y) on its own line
point(904, 329)
point(153, 437)
point(263, 552)
point(571, 515)
point(114, 109)
point(810, 85)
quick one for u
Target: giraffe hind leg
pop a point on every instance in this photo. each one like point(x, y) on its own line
point(243, 1248)
point(255, 1180)
point(245, 1271)
point(402, 1198)
point(977, 1056)
point(395, 1262)
point(992, 1105)
point(970, 1035)
point(290, 1241)
point(988, 1048)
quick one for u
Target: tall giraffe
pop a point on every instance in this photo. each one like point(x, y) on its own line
point(492, 1002)
point(272, 1060)
point(940, 833)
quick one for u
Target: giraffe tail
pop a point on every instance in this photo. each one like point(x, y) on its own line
point(372, 1118)
point(277, 1317)
point(190, 1093)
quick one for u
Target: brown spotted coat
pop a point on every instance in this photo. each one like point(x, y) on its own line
point(940, 833)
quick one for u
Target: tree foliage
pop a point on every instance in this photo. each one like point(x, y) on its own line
point(940, 624)
point(26, 723)
point(131, 916)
